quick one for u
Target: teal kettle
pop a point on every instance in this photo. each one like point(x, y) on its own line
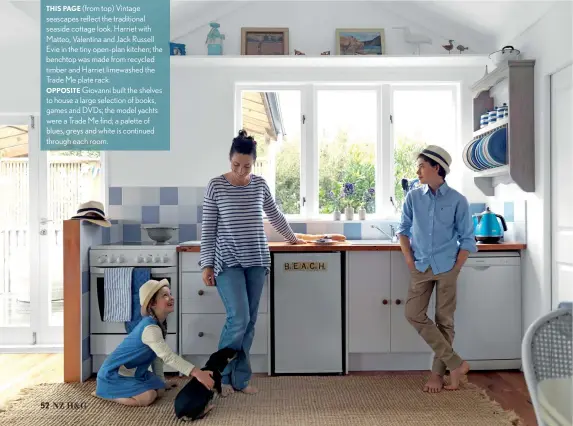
point(489, 226)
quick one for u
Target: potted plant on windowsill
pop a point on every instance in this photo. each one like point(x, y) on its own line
point(366, 206)
point(336, 201)
point(348, 192)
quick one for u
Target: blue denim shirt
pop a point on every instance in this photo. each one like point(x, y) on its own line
point(438, 226)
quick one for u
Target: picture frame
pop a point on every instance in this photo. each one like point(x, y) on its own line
point(264, 41)
point(360, 41)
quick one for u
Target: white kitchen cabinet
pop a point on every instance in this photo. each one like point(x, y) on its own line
point(488, 322)
point(196, 297)
point(201, 334)
point(203, 317)
point(404, 338)
point(369, 301)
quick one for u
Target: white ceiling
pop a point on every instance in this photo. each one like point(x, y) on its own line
point(500, 20)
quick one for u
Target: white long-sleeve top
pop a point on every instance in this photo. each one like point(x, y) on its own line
point(153, 337)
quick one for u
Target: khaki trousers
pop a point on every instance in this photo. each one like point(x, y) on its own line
point(438, 336)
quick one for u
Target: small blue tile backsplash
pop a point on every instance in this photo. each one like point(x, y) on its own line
point(353, 231)
point(169, 196)
point(130, 207)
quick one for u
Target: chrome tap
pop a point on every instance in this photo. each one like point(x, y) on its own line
point(393, 237)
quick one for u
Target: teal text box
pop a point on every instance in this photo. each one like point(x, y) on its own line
point(105, 75)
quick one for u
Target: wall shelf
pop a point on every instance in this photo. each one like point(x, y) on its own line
point(520, 168)
point(332, 61)
point(488, 129)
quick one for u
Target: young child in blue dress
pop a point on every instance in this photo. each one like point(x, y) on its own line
point(124, 376)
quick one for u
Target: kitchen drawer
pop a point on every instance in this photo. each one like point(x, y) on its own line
point(201, 334)
point(189, 262)
point(105, 344)
point(197, 298)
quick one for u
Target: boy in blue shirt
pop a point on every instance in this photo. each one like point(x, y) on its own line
point(436, 237)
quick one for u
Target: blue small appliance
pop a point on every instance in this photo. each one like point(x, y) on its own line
point(489, 227)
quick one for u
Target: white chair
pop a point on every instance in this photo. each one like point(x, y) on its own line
point(547, 354)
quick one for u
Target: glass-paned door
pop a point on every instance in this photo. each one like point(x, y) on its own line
point(39, 190)
point(18, 230)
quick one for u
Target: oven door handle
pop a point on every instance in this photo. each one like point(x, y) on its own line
point(157, 272)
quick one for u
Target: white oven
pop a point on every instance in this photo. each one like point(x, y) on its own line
point(162, 261)
point(97, 301)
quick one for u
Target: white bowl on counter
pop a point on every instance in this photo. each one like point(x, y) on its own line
point(160, 234)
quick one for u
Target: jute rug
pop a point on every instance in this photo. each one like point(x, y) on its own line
point(395, 400)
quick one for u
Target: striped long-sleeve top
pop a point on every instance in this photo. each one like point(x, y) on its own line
point(233, 232)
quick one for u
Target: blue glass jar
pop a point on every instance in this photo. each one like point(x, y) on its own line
point(214, 40)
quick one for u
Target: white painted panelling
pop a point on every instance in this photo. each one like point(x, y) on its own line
point(561, 189)
point(550, 42)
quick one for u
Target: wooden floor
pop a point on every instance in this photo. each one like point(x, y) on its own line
point(19, 371)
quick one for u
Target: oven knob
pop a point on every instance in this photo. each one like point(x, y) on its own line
point(157, 259)
point(149, 259)
point(120, 259)
point(102, 259)
point(139, 259)
point(111, 259)
point(165, 259)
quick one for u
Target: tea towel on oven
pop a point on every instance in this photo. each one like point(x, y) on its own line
point(140, 277)
point(117, 294)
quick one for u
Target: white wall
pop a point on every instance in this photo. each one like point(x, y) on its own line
point(312, 25)
point(19, 61)
point(202, 117)
point(549, 42)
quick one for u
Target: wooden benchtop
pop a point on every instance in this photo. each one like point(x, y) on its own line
point(286, 247)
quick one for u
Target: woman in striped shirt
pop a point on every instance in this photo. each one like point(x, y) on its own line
point(235, 252)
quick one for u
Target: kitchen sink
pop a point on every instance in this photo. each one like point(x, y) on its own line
point(370, 242)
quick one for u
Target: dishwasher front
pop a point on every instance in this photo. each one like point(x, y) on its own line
point(308, 326)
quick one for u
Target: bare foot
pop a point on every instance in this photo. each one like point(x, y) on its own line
point(250, 390)
point(435, 383)
point(226, 390)
point(456, 375)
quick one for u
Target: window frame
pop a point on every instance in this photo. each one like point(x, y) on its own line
point(309, 161)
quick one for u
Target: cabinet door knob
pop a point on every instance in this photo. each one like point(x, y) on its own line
point(201, 292)
point(385, 301)
point(398, 302)
point(201, 334)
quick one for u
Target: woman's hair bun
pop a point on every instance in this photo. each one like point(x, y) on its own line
point(244, 144)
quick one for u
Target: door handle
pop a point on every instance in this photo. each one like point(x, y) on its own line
point(479, 268)
point(44, 221)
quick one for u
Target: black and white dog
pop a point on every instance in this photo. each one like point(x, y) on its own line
point(193, 399)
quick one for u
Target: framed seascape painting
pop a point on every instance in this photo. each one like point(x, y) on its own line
point(362, 41)
point(264, 41)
